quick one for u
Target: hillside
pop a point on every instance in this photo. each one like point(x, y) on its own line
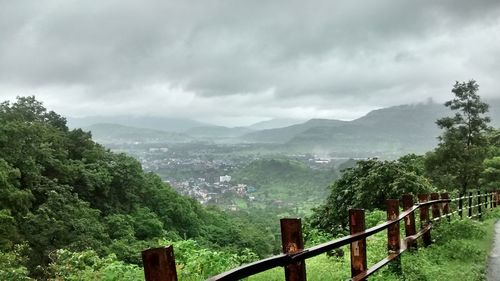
point(389, 131)
point(282, 135)
point(275, 123)
point(118, 134)
point(395, 130)
point(156, 123)
point(217, 132)
point(286, 180)
point(61, 191)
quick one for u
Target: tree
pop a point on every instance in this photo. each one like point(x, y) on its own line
point(368, 186)
point(490, 176)
point(456, 163)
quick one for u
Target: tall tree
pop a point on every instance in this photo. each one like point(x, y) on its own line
point(456, 163)
point(368, 185)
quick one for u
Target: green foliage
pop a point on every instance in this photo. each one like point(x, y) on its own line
point(13, 264)
point(61, 190)
point(87, 265)
point(197, 263)
point(287, 180)
point(367, 186)
point(457, 161)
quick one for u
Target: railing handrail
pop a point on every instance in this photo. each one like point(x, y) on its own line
point(294, 255)
point(285, 259)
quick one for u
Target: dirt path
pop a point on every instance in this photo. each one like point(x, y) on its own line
point(494, 260)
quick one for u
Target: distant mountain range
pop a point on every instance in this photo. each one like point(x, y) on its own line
point(155, 123)
point(118, 134)
point(393, 130)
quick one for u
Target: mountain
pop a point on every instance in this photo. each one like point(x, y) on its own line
point(275, 123)
point(388, 131)
point(217, 132)
point(393, 130)
point(283, 135)
point(106, 133)
point(155, 123)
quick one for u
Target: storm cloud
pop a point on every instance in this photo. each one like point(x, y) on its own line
point(235, 62)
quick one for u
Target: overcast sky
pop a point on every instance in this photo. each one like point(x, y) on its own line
point(235, 62)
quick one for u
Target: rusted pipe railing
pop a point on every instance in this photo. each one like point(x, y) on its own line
point(159, 264)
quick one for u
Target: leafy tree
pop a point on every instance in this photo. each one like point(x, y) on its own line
point(457, 161)
point(368, 185)
point(60, 190)
point(490, 176)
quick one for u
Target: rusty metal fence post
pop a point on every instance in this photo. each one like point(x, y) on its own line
point(159, 264)
point(470, 204)
point(461, 206)
point(292, 242)
point(424, 219)
point(435, 207)
point(446, 206)
point(393, 236)
point(409, 220)
point(479, 213)
point(358, 248)
point(486, 201)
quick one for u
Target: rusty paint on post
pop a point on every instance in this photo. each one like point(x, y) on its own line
point(435, 207)
point(460, 206)
point(159, 264)
point(358, 248)
point(393, 236)
point(479, 204)
point(293, 242)
point(446, 206)
point(424, 219)
point(409, 220)
point(470, 204)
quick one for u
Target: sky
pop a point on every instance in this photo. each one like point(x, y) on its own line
point(238, 62)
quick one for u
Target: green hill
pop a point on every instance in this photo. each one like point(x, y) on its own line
point(283, 135)
point(217, 132)
point(113, 133)
point(389, 132)
point(61, 190)
point(286, 180)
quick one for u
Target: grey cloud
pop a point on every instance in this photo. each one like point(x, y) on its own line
point(342, 52)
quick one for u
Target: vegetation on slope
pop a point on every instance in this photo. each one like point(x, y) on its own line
point(61, 190)
point(286, 180)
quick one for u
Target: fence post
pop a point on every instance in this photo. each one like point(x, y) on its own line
point(409, 221)
point(479, 204)
point(470, 204)
point(424, 218)
point(495, 199)
point(491, 200)
point(446, 206)
point(461, 205)
point(485, 201)
point(358, 248)
point(393, 236)
point(292, 242)
point(159, 264)
point(435, 207)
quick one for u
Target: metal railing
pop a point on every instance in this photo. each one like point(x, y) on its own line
point(159, 263)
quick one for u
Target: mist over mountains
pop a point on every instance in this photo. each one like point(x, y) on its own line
point(388, 131)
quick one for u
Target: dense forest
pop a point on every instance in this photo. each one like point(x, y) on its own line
point(72, 210)
point(61, 190)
